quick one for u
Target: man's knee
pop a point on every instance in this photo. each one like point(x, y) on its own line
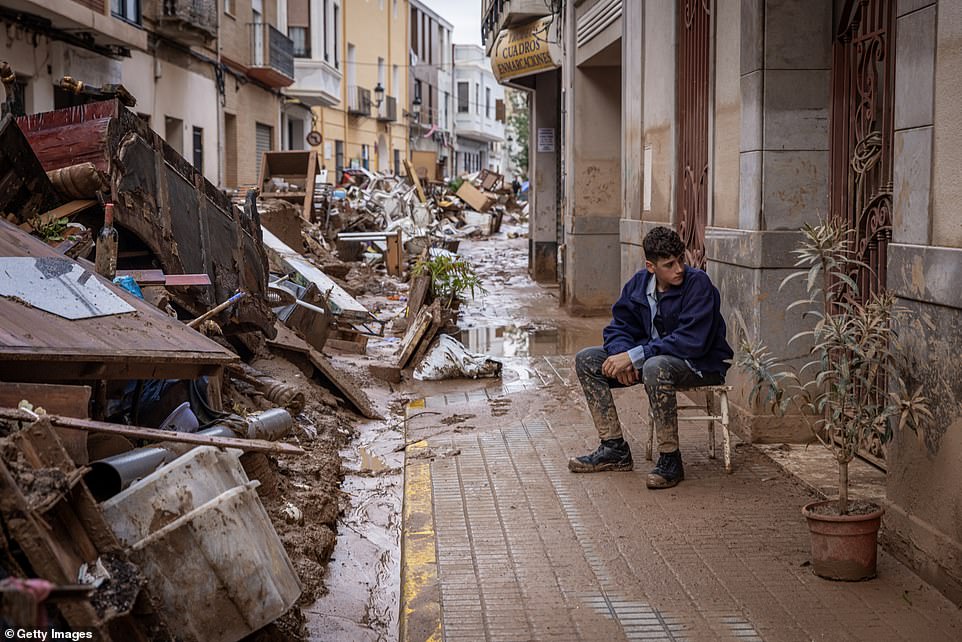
point(589, 360)
point(657, 371)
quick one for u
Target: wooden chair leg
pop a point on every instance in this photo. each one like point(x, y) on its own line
point(710, 407)
point(725, 434)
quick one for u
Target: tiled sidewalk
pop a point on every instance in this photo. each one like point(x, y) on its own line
point(525, 550)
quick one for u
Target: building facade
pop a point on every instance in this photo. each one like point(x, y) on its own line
point(430, 86)
point(316, 32)
point(207, 81)
point(479, 112)
point(737, 122)
point(354, 78)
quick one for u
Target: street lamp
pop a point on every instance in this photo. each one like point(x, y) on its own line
point(416, 108)
point(378, 95)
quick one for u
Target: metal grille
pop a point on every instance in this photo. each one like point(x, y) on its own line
point(863, 74)
point(694, 39)
point(862, 128)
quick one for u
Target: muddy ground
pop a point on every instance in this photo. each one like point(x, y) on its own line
point(337, 509)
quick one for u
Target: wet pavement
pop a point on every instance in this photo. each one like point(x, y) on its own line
point(501, 542)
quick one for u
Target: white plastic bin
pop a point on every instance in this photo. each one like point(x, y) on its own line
point(172, 491)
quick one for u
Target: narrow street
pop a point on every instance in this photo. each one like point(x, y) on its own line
point(502, 542)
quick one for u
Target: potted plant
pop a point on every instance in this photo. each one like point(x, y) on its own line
point(849, 390)
point(452, 278)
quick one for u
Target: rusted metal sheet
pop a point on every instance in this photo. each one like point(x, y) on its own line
point(183, 220)
point(144, 344)
point(25, 189)
point(691, 195)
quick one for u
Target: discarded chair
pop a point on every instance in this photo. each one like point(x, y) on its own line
point(711, 417)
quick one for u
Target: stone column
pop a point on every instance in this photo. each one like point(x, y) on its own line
point(924, 269)
point(592, 162)
point(785, 77)
point(545, 180)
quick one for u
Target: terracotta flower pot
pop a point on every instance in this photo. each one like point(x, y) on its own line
point(844, 547)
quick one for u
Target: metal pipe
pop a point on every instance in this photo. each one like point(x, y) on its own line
point(271, 424)
point(110, 475)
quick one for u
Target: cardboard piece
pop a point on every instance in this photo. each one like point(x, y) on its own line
point(474, 197)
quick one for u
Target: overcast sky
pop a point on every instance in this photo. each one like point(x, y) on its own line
point(465, 15)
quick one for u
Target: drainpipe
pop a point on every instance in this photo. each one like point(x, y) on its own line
point(110, 475)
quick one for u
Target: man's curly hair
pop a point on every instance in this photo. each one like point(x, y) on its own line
point(662, 243)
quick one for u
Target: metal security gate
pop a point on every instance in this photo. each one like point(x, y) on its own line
point(691, 195)
point(862, 128)
point(263, 142)
point(863, 74)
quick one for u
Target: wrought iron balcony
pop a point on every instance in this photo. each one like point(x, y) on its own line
point(272, 56)
point(188, 21)
point(387, 112)
point(358, 101)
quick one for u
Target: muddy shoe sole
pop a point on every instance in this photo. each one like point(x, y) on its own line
point(576, 466)
point(657, 482)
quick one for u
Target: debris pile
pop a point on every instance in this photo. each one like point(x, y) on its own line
point(160, 391)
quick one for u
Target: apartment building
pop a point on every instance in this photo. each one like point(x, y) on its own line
point(316, 31)
point(351, 83)
point(258, 59)
point(214, 100)
point(431, 88)
point(479, 116)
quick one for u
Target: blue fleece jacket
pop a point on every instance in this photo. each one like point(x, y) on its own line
point(694, 327)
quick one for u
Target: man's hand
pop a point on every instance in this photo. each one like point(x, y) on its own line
point(620, 367)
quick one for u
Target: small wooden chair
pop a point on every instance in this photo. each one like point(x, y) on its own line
point(711, 417)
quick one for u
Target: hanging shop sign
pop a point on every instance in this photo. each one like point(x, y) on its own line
point(314, 138)
point(528, 49)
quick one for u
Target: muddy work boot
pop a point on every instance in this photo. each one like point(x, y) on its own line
point(667, 472)
point(612, 454)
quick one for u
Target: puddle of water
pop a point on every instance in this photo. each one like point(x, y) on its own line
point(525, 341)
point(370, 461)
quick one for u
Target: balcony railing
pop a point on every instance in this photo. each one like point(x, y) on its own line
point(272, 56)
point(189, 21)
point(358, 101)
point(387, 112)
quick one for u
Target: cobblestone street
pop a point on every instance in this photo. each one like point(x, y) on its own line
point(501, 542)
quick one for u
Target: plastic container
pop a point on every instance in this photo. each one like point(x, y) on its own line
point(182, 419)
point(172, 491)
point(220, 571)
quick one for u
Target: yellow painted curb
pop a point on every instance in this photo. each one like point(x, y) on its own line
point(420, 612)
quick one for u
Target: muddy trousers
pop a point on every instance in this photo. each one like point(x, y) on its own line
point(660, 374)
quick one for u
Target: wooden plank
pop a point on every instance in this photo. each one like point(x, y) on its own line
point(152, 434)
point(287, 340)
point(145, 277)
point(345, 384)
point(437, 322)
point(416, 180)
point(64, 211)
point(419, 328)
point(341, 303)
point(394, 258)
point(157, 277)
point(307, 212)
point(418, 294)
point(71, 401)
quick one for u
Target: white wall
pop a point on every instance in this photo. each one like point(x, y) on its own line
point(164, 89)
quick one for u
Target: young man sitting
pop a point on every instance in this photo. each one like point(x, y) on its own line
point(667, 332)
